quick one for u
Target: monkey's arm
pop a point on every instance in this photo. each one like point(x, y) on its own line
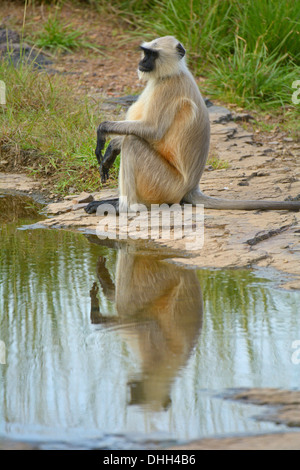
point(143, 129)
point(150, 129)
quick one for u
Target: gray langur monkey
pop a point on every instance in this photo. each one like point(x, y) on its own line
point(164, 141)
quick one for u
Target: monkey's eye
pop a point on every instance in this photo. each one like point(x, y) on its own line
point(149, 52)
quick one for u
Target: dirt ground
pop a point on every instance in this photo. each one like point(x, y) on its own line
point(110, 70)
point(260, 166)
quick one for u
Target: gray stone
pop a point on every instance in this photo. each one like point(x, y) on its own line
point(218, 114)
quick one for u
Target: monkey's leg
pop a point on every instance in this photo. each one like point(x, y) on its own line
point(96, 317)
point(112, 151)
point(105, 279)
point(146, 177)
point(109, 291)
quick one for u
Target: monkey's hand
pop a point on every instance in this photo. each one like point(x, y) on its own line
point(94, 290)
point(98, 151)
point(101, 139)
point(104, 173)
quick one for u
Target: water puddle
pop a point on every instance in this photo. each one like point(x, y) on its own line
point(117, 349)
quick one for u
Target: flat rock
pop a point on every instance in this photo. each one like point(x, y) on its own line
point(18, 182)
point(57, 208)
point(83, 197)
point(218, 114)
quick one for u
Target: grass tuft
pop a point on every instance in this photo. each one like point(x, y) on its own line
point(45, 130)
point(252, 78)
point(59, 37)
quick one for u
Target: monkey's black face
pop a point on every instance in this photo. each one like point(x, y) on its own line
point(147, 64)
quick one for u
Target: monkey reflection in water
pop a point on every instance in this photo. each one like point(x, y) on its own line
point(159, 312)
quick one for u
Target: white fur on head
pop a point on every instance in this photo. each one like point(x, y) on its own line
point(168, 62)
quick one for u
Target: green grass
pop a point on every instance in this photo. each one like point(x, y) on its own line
point(59, 37)
point(55, 35)
point(52, 133)
point(253, 78)
point(217, 164)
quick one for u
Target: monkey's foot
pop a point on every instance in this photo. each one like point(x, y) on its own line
point(92, 207)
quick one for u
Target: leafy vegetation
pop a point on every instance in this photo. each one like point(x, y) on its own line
point(41, 115)
point(59, 37)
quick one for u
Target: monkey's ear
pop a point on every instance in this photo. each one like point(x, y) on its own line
point(181, 50)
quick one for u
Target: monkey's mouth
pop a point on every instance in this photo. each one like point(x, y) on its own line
point(142, 68)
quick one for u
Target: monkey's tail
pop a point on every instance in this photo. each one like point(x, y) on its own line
point(197, 197)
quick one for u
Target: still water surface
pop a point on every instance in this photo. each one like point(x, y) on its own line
point(115, 349)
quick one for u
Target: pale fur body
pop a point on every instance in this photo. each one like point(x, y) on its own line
point(175, 111)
